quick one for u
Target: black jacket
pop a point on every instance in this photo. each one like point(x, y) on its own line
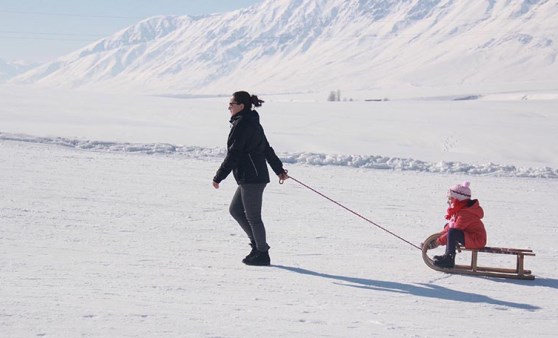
point(248, 151)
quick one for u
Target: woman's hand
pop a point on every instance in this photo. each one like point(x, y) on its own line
point(215, 185)
point(283, 176)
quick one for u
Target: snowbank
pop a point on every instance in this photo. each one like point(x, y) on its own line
point(315, 159)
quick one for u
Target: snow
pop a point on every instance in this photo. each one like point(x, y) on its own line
point(110, 226)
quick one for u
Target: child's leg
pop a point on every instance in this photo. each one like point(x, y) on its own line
point(454, 236)
point(448, 260)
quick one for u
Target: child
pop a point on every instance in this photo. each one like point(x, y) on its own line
point(464, 225)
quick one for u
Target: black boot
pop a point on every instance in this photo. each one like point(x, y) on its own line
point(437, 258)
point(446, 261)
point(252, 252)
point(260, 258)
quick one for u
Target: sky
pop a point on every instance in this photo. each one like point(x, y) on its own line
point(41, 30)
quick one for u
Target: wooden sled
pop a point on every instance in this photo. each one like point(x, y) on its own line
point(519, 272)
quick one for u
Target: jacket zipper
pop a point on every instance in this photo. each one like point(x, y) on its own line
point(253, 165)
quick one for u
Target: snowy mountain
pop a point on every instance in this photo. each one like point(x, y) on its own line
point(12, 69)
point(309, 45)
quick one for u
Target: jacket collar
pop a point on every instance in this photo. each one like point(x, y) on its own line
point(242, 113)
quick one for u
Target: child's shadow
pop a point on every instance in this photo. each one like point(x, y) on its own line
point(422, 290)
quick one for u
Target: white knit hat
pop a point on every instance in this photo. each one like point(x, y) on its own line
point(460, 192)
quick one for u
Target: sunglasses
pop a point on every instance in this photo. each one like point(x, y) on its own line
point(231, 103)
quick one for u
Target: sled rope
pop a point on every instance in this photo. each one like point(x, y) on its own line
point(351, 211)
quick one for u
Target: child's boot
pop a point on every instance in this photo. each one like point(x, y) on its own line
point(446, 261)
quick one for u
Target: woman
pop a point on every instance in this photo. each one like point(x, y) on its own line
point(247, 154)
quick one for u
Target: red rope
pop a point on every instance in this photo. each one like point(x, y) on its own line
point(351, 211)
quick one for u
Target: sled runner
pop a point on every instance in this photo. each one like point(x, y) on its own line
point(519, 272)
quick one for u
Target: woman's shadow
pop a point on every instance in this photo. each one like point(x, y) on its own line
point(423, 289)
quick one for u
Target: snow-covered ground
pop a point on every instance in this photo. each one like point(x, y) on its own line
point(109, 226)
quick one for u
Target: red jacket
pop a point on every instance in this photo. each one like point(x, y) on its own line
point(467, 219)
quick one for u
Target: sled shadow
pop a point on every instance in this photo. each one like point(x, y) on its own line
point(422, 289)
point(539, 281)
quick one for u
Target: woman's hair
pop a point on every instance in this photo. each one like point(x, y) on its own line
point(247, 100)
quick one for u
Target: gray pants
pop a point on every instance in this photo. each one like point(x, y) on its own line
point(246, 209)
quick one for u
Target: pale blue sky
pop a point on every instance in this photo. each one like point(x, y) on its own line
point(41, 30)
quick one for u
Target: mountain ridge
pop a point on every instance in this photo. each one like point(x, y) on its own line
point(304, 45)
point(9, 69)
